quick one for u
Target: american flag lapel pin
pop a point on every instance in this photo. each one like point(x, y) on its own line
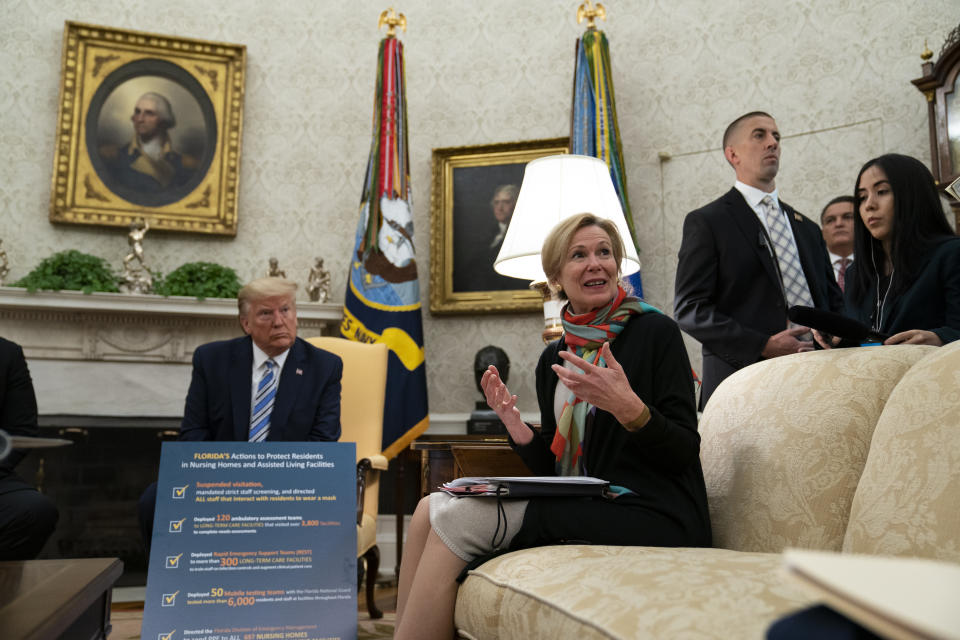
point(299, 372)
point(798, 217)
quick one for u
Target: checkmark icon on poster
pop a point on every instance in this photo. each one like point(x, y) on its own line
point(173, 562)
point(179, 493)
point(176, 526)
point(170, 599)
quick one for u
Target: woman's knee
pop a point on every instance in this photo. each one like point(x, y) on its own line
point(423, 507)
point(421, 514)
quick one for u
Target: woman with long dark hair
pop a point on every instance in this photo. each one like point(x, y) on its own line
point(905, 281)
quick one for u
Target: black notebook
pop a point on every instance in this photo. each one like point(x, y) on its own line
point(527, 486)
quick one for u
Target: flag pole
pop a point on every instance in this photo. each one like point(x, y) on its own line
point(594, 130)
point(382, 302)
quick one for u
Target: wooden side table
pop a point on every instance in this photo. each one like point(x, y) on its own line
point(57, 598)
point(443, 458)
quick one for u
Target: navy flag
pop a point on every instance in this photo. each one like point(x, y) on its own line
point(383, 293)
point(593, 123)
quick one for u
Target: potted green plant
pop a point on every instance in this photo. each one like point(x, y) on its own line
point(70, 270)
point(200, 280)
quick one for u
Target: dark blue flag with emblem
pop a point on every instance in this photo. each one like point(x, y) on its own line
point(593, 121)
point(383, 293)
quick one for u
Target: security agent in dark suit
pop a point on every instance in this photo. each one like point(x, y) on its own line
point(223, 391)
point(27, 518)
point(730, 292)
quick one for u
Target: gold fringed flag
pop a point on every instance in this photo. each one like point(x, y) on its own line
point(383, 293)
point(593, 122)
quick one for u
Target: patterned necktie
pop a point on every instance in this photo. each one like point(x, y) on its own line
point(794, 282)
point(842, 273)
point(263, 403)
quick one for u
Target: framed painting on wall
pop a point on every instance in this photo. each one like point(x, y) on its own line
point(474, 192)
point(149, 126)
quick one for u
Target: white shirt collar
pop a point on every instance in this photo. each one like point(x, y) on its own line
point(497, 239)
point(259, 357)
point(835, 259)
point(153, 148)
point(753, 196)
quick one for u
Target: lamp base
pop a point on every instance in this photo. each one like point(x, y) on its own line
point(551, 333)
point(552, 304)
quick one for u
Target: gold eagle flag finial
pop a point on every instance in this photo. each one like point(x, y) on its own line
point(926, 54)
point(393, 20)
point(588, 11)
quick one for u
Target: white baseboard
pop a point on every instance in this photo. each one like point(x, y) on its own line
point(387, 541)
point(456, 423)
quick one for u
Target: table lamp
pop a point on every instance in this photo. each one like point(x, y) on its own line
point(555, 188)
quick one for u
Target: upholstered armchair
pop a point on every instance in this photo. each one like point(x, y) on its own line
point(361, 417)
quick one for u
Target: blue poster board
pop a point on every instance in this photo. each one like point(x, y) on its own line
point(254, 541)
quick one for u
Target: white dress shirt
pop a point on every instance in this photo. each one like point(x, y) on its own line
point(259, 358)
point(753, 196)
point(497, 239)
point(835, 261)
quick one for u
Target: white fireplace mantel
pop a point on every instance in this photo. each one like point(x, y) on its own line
point(111, 354)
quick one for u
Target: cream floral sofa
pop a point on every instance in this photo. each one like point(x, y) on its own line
point(853, 450)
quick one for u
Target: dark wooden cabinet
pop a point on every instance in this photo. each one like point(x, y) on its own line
point(67, 599)
point(443, 458)
point(435, 459)
point(940, 85)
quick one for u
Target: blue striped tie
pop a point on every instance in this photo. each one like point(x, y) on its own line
point(263, 403)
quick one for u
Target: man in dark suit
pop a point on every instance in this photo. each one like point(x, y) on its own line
point(747, 257)
point(267, 385)
point(836, 223)
point(27, 518)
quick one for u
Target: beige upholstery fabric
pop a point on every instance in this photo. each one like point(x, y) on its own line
point(366, 533)
point(784, 445)
point(908, 502)
point(588, 592)
point(362, 389)
point(362, 400)
point(784, 442)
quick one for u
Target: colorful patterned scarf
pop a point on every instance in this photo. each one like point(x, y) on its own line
point(584, 335)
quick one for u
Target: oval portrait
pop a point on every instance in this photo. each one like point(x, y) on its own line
point(151, 132)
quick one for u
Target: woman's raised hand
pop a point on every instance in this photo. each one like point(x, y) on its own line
point(606, 388)
point(505, 405)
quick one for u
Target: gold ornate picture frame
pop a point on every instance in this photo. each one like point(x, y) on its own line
point(149, 126)
point(474, 190)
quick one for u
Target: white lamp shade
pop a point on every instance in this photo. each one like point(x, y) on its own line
point(555, 188)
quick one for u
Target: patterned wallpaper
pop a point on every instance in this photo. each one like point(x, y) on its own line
point(834, 74)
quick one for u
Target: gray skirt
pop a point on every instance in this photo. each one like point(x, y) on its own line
point(468, 525)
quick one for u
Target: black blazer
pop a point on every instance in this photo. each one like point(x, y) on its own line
point(18, 403)
point(932, 302)
point(307, 406)
point(728, 293)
